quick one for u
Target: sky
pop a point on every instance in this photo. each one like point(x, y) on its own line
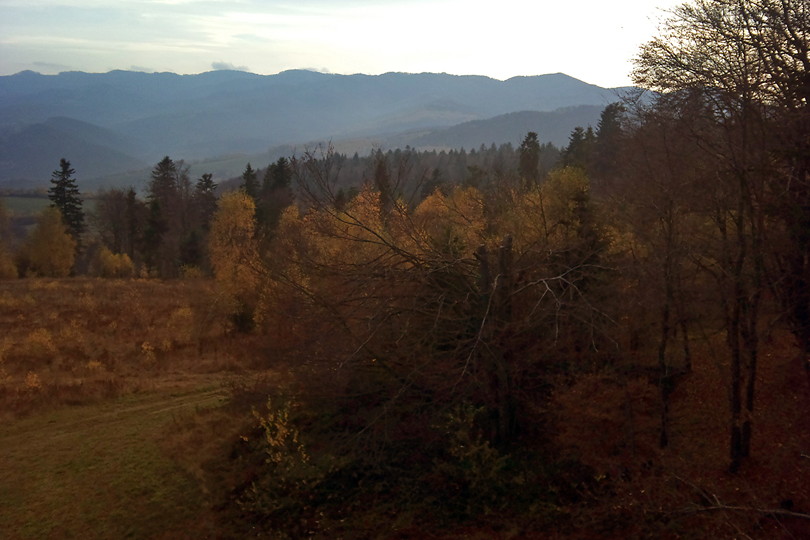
point(592, 40)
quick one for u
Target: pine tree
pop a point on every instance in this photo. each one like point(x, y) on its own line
point(276, 194)
point(530, 159)
point(64, 195)
point(205, 200)
point(250, 182)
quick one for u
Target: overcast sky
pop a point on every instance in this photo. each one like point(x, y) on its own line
point(592, 40)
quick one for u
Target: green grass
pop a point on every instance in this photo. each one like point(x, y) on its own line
point(102, 471)
point(24, 206)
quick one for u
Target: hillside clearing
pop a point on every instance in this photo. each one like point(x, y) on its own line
point(99, 471)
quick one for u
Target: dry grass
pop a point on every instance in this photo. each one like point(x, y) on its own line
point(73, 341)
point(110, 394)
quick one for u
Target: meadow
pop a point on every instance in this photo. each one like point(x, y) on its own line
point(23, 206)
point(103, 385)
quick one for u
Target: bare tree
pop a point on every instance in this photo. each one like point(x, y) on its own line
point(722, 55)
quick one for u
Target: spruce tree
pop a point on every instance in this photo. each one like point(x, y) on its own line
point(530, 160)
point(250, 182)
point(64, 195)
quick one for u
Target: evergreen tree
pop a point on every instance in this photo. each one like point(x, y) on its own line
point(530, 160)
point(163, 182)
point(205, 200)
point(607, 142)
point(382, 181)
point(168, 221)
point(276, 194)
point(250, 183)
point(64, 195)
point(579, 151)
point(278, 175)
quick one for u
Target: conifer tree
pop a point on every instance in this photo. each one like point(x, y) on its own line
point(205, 200)
point(64, 195)
point(530, 159)
point(250, 182)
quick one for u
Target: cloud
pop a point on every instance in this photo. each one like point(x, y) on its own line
point(227, 66)
point(51, 67)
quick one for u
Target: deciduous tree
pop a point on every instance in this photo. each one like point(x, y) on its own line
point(740, 64)
point(50, 249)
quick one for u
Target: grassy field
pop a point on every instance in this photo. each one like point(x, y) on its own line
point(102, 388)
point(24, 206)
point(27, 206)
point(100, 471)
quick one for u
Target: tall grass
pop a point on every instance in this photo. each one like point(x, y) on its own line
point(78, 340)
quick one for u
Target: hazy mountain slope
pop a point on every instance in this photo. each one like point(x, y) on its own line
point(31, 154)
point(194, 117)
point(554, 127)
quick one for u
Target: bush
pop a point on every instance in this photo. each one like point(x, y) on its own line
point(8, 270)
point(113, 265)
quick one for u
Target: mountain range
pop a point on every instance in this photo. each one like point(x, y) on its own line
point(113, 125)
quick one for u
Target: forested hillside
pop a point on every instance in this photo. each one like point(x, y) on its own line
point(142, 117)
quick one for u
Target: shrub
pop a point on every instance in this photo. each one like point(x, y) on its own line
point(8, 270)
point(113, 265)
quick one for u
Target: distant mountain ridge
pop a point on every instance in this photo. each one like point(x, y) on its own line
point(108, 123)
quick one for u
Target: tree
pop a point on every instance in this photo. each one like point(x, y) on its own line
point(250, 183)
point(119, 218)
point(579, 151)
point(607, 143)
point(234, 255)
point(50, 249)
point(169, 222)
point(276, 195)
point(8, 269)
point(64, 195)
point(205, 200)
point(530, 159)
point(742, 66)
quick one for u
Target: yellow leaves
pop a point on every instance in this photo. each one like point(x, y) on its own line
point(555, 216)
point(281, 436)
point(232, 246)
point(39, 344)
point(182, 325)
point(32, 382)
point(94, 366)
point(148, 352)
point(113, 265)
point(50, 250)
point(363, 212)
point(453, 222)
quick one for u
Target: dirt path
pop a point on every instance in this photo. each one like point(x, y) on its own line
point(99, 471)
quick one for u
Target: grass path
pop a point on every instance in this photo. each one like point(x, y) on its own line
point(99, 471)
